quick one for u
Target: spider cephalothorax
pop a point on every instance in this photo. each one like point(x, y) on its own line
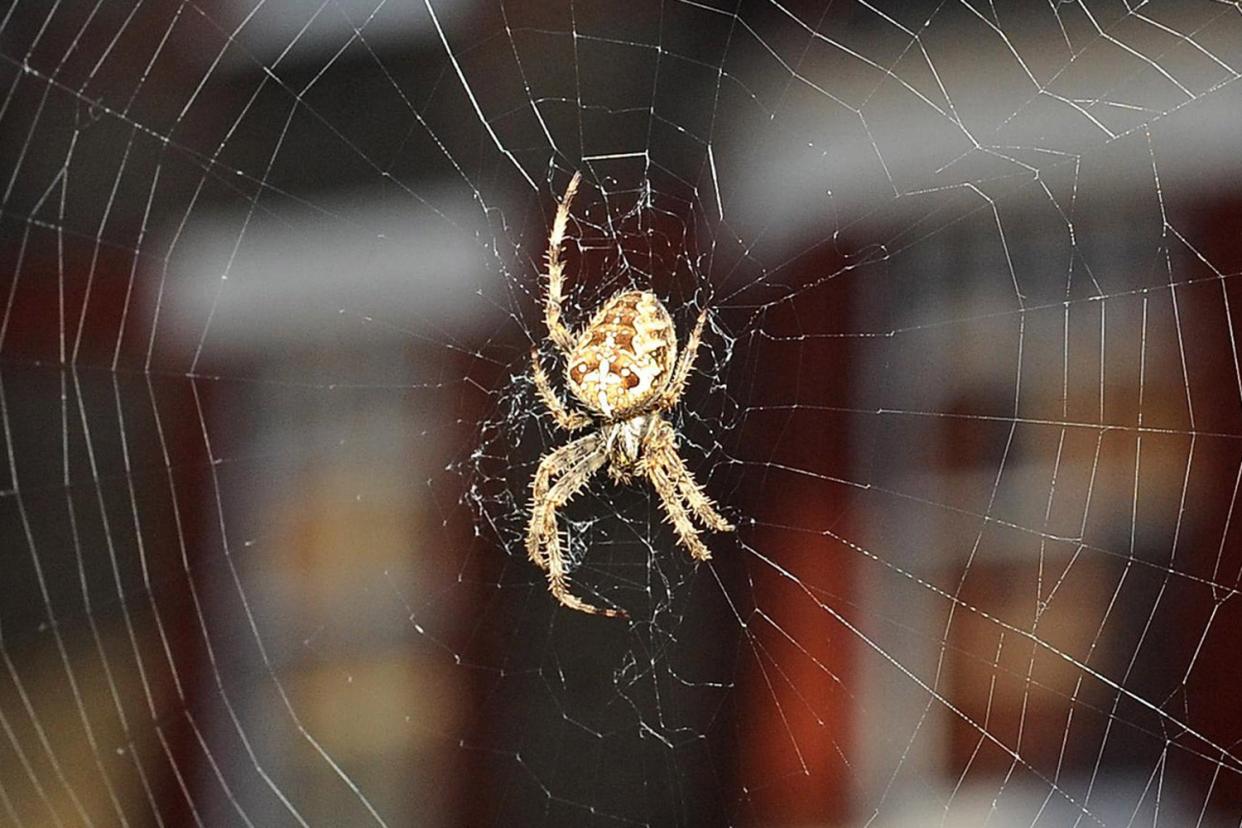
point(624, 368)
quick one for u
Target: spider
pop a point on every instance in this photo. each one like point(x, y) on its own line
point(623, 368)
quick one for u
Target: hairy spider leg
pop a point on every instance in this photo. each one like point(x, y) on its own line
point(681, 372)
point(557, 332)
point(566, 419)
point(663, 444)
point(543, 521)
point(661, 480)
point(562, 460)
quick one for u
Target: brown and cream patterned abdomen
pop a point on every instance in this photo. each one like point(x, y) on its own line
point(625, 356)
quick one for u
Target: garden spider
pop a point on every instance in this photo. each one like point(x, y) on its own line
point(623, 368)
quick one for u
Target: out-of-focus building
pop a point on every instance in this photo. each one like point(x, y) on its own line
point(265, 275)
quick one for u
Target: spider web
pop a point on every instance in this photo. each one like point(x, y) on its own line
point(970, 391)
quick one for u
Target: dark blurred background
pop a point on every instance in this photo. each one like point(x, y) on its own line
point(270, 278)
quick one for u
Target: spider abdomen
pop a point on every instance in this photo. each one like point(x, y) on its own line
point(625, 356)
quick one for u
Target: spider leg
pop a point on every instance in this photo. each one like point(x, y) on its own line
point(661, 448)
point(657, 472)
point(698, 501)
point(566, 419)
point(689, 489)
point(557, 331)
point(543, 516)
point(681, 371)
point(559, 461)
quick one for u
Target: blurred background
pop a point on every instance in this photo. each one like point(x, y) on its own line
point(270, 276)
